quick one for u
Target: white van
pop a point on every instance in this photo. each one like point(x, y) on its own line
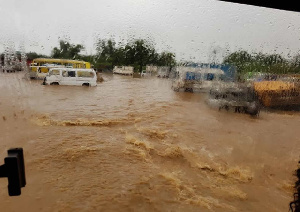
point(123, 70)
point(71, 76)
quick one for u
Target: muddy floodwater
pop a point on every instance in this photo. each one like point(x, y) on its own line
point(133, 144)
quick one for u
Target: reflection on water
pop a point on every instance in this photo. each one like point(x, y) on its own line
point(135, 145)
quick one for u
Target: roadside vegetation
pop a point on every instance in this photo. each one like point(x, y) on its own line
point(141, 52)
point(247, 63)
point(137, 53)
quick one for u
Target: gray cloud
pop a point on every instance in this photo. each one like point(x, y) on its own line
point(192, 29)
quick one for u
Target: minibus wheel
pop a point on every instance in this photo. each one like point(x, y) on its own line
point(54, 83)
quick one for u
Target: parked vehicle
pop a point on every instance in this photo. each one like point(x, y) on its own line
point(200, 79)
point(71, 76)
point(123, 70)
point(279, 92)
point(40, 66)
point(11, 68)
point(42, 71)
point(239, 96)
point(144, 73)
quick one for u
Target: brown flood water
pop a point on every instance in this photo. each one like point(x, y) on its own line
point(135, 145)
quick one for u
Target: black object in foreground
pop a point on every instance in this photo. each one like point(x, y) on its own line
point(295, 205)
point(281, 5)
point(14, 169)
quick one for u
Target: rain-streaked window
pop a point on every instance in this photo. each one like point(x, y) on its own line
point(182, 106)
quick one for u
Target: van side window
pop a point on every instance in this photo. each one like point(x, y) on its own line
point(64, 73)
point(54, 72)
point(85, 74)
point(71, 74)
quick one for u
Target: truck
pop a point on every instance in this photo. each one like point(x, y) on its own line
point(281, 91)
point(191, 79)
point(233, 95)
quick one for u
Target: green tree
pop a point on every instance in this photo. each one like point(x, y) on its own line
point(33, 55)
point(137, 53)
point(67, 50)
point(241, 60)
point(107, 54)
point(259, 62)
point(140, 53)
point(295, 64)
point(167, 59)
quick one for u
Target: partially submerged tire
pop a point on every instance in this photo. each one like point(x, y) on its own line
point(86, 84)
point(189, 90)
point(176, 89)
point(54, 83)
point(253, 109)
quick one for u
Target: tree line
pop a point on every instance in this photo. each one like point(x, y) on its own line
point(140, 52)
point(137, 53)
point(264, 63)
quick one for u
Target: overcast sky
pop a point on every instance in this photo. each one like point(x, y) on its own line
point(192, 29)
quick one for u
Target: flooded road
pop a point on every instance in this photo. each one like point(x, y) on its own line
point(136, 145)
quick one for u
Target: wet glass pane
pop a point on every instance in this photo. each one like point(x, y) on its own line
point(176, 106)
